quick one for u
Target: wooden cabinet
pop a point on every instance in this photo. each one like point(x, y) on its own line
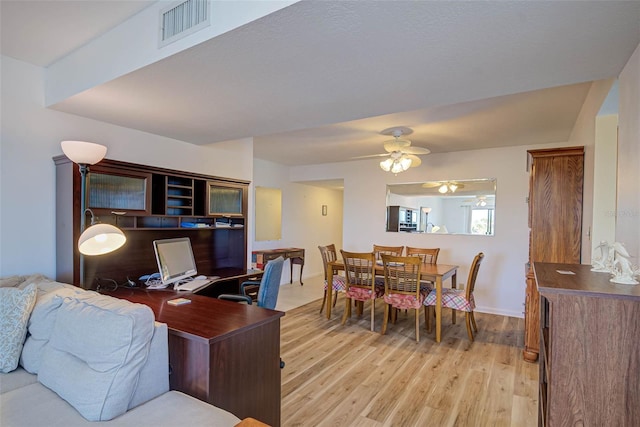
point(148, 203)
point(400, 218)
point(589, 358)
point(555, 222)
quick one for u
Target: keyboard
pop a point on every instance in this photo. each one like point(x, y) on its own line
point(192, 285)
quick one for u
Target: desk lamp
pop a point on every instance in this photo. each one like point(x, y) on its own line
point(97, 239)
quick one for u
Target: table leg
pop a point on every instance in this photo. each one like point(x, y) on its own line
point(301, 267)
point(300, 262)
point(438, 307)
point(329, 292)
point(453, 286)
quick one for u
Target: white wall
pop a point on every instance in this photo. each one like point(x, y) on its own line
point(302, 222)
point(501, 282)
point(31, 136)
point(584, 134)
point(628, 209)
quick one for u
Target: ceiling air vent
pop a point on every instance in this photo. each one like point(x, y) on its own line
point(182, 19)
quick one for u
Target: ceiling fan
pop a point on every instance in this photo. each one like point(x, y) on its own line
point(401, 154)
point(444, 187)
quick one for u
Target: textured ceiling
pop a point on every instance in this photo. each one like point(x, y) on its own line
point(316, 81)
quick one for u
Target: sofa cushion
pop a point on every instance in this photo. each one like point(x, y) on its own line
point(36, 405)
point(15, 308)
point(15, 379)
point(96, 350)
point(40, 326)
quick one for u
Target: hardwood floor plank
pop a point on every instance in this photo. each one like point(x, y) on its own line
point(349, 376)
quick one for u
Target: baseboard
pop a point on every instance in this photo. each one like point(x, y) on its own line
point(493, 310)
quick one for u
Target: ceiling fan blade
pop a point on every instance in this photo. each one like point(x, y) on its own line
point(370, 156)
point(416, 150)
point(396, 145)
point(432, 184)
point(415, 160)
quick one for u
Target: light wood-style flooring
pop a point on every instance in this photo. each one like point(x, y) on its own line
point(349, 376)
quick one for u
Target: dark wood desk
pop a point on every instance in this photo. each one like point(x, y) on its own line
point(295, 255)
point(221, 352)
point(229, 281)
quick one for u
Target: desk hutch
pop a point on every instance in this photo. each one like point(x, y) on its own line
point(150, 203)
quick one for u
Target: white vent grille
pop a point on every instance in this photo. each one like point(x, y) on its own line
point(183, 19)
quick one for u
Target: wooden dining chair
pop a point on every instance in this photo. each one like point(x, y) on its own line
point(460, 299)
point(402, 287)
point(428, 256)
point(360, 282)
point(329, 254)
point(378, 250)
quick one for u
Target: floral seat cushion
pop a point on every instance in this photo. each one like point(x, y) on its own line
point(365, 294)
point(452, 298)
point(405, 301)
point(339, 284)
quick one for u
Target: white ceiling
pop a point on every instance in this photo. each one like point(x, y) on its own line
point(317, 81)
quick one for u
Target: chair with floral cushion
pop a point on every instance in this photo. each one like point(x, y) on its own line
point(460, 299)
point(378, 250)
point(329, 254)
point(360, 280)
point(402, 287)
point(428, 256)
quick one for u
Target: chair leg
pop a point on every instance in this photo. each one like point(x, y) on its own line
point(467, 317)
point(324, 298)
point(427, 318)
point(347, 310)
point(373, 309)
point(417, 325)
point(360, 308)
point(385, 319)
point(473, 322)
point(335, 298)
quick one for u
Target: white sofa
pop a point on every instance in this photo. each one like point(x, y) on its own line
point(89, 357)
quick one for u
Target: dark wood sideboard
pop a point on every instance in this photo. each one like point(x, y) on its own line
point(589, 348)
point(295, 256)
point(221, 352)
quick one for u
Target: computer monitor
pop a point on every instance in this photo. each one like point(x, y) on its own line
point(175, 259)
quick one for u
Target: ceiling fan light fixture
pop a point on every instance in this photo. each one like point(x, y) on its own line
point(396, 167)
point(443, 189)
point(453, 188)
point(405, 162)
point(385, 165)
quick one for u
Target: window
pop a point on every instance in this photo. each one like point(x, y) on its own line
point(482, 221)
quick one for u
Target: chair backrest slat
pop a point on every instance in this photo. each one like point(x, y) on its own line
point(378, 250)
point(401, 274)
point(359, 269)
point(328, 254)
point(428, 255)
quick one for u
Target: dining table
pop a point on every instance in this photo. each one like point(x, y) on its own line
point(436, 273)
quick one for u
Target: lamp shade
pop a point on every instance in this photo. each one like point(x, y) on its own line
point(100, 239)
point(83, 153)
point(386, 164)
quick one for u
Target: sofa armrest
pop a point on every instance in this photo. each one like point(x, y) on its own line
point(154, 375)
